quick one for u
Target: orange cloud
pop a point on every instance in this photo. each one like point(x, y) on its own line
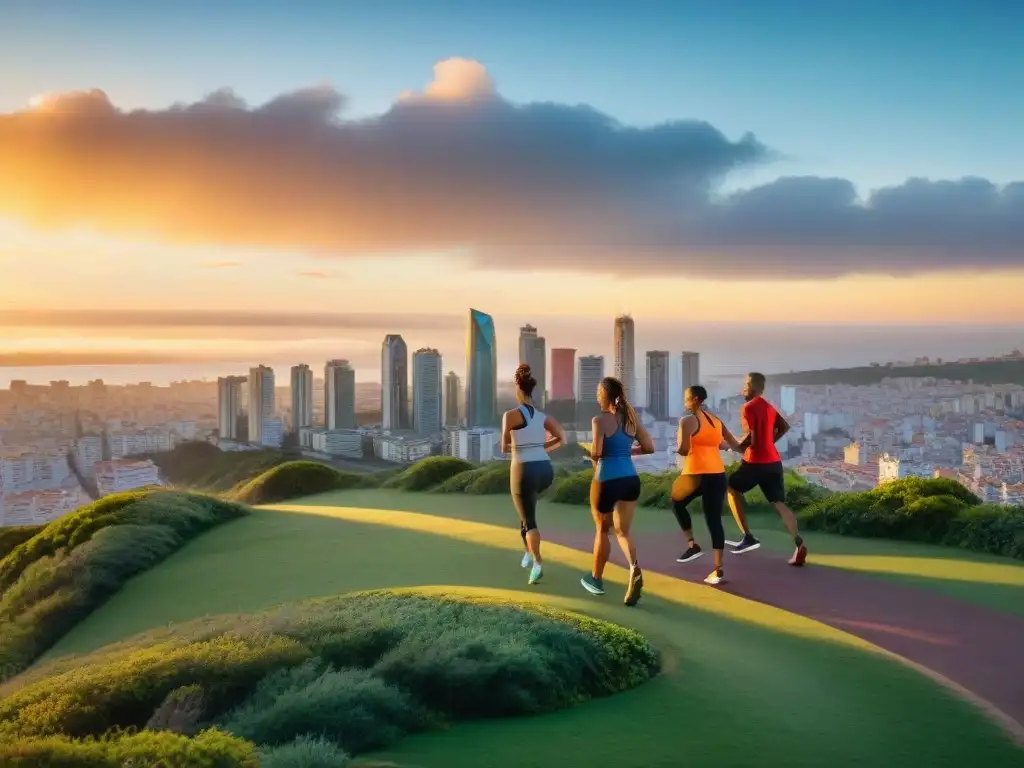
point(456, 166)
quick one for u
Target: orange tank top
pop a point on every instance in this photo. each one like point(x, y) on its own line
point(704, 457)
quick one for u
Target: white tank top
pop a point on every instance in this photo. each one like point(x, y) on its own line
point(528, 441)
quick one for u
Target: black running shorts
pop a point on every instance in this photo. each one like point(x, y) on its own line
point(767, 477)
point(611, 492)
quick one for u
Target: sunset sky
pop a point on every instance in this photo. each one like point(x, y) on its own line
point(697, 164)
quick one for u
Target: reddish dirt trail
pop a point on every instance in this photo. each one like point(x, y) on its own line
point(975, 647)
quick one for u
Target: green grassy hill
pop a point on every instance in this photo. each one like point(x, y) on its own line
point(986, 372)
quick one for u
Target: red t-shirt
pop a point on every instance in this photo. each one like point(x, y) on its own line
point(758, 416)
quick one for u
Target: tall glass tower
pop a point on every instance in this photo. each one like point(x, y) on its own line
point(481, 371)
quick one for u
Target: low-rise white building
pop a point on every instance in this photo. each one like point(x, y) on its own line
point(893, 468)
point(402, 449)
point(478, 444)
point(122, 475)
point(346, 443)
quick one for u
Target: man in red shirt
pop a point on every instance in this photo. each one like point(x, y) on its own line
point(762, 467)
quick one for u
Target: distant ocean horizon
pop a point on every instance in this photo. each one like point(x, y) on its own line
point(726, 352)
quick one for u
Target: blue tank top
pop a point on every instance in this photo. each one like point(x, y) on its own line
point(616, 456)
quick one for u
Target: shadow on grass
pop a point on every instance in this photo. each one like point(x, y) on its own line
point(794, 680)
point(986, 580)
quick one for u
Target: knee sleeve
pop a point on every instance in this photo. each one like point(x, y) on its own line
point(682, 516)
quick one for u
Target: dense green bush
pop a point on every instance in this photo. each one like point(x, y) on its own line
point(491, 478)
point(425, 474)
point(12, 537)
point(932, 510)
point(305, 752)
point(572, 488)
point(144, 749)
point(359, 671)
point(294, 479)
point(989, 528)
point(656, 489)
point(60, 575)
point(202, 466)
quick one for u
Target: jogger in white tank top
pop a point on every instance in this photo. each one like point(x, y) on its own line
point(524, 432)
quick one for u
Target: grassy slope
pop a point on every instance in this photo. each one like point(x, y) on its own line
point(804, 693)
point(994, 582)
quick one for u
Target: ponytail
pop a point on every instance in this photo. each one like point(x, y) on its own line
point(626, 415)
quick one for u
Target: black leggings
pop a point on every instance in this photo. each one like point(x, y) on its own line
point(711, 490)
point(528, 480)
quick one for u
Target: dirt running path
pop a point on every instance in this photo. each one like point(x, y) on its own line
point(974, 647)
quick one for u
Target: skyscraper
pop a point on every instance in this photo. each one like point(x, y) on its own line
point(533, 352)
point(625, 353)
point(691, 369)
point(229, 406)
point(481, 371)
point(339, 395)
point(426, 391)
point(658, 383)
point(590, 375)
point(563, 374)
point(262, 401)
point(302, 397)
point(452, 398)
point(394, 383)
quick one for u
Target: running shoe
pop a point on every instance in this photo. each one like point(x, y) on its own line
point(527, 560)
point(715, 578)
point(535, 573)
point(592, 584)
point(799, 556)
point(636, 586)
point(747, 544)
point(692, 553)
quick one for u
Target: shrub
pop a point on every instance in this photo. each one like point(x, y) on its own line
point(350, 706)
point(989, 528)
point(305, 752)
point(53, 580)
point(934, 510)
point(428, 473)
point(12, 537)
point(573, 488)
point(358, 671)
point(180, 712)
point(202, 466)
point(491, 478)
point(145, 749)
point(294, 479)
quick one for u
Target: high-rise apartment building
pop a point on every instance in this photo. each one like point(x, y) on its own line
point(261, 401)
point(591, 371)
point(563, 374)
point(691, 369)
point(229, 406)
point(302, 397)
point(452, 399)
point(394, 382)
point(339, 395)
point(481, 371)
point(533, 352)
point(625, 353)
point(426, 391)
point(658, 383)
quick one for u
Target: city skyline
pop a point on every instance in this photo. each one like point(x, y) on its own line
point(901, 206)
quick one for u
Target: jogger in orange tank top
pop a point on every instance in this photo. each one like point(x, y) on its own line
point(700, 438)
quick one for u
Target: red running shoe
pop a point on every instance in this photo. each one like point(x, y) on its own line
point(800, 556)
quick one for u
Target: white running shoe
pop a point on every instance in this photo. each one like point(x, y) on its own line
point(535, 573)
point(715, 578)
point(527, 560)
